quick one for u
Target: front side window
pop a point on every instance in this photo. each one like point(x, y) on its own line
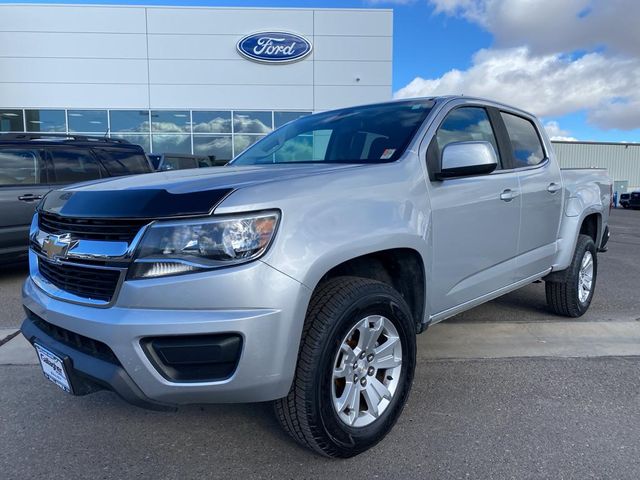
point(20, 167)
point(466, 124)
point(525, 142)
point(368, 134)
point(72, 166)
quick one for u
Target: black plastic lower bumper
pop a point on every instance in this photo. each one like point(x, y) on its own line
point(89, 373)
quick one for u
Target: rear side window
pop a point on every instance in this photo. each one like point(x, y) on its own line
point(72, 166)
point(525, 142)
point(20, 167)
point(123, 162)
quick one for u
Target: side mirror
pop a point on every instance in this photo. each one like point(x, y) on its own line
point(460, 159)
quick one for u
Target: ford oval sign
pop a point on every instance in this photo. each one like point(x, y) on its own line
point(274, 47)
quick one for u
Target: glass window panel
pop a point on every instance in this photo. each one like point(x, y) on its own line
point(142, 140)
point(11, 121)
point(296, 148)
point(20, 167)
point(280, 118)
point(251, 122)
point(211, 122)
point(46, 121)
point(168, 143)
point(368, 134)
point(525, 142)
point(122, 162)
point(72, 166)
point(216, 145)
point(129, 120)
point(466, 124)
point(87, 121)
point(242, 142)
point(170, 121)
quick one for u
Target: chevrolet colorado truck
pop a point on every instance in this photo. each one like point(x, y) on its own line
point(301, 272)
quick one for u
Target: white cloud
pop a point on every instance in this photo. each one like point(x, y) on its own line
point(534, 64)
point(549, 26)
point(556, 133)
point(547, 85)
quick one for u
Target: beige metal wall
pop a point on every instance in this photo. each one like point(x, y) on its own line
point(622, 160)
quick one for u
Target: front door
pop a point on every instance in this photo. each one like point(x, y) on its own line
point(475, 220)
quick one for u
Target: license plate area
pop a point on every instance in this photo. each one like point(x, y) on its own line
point(53, 368)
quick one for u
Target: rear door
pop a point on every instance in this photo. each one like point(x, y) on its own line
point(123, 161)
point(475, 219)
point(541, 191)
point(23, 182)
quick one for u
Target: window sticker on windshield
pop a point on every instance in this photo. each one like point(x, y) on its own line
point(387, 154)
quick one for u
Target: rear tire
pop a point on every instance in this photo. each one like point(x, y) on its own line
point(572, 295)
point(355, 368)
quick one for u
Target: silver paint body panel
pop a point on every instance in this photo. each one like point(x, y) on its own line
point(474, 245)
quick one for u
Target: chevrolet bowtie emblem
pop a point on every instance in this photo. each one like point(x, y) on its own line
point(56, 247)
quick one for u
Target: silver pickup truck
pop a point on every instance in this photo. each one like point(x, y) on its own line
point(303, 271)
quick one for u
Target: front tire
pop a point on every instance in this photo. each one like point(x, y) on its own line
point(355, 367)
point(572, 295)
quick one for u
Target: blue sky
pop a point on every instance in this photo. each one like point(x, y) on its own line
point(574, 73)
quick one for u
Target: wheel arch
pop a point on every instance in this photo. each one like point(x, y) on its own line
point(402, 268)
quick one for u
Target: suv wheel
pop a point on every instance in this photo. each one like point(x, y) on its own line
point(572, 296)
point(355, 367)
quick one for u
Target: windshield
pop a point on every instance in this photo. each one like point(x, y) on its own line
point(369, 134)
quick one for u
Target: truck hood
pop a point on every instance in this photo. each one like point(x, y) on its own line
point(170, 194)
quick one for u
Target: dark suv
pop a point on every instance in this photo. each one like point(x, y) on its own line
point(33, 164)
point(624, 200)
point(634, 200)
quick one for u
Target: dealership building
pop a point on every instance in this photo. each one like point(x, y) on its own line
point(209, 81)
point(179, 79)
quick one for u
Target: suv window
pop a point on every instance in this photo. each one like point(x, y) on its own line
point(71, 166)
point(525, 141)
point(466, 124)
point(122, 162)
point(20, 167)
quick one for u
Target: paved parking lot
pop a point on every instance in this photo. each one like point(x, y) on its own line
point(505, 390)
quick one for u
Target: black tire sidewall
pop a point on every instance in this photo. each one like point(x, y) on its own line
point(350, 440)
point(585, 244)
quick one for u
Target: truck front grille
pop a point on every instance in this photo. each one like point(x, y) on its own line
point(93, 283)
point(110, 229)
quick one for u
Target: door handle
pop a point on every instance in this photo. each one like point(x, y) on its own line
point(29, 197)
point(508, 195)
point(553, 187)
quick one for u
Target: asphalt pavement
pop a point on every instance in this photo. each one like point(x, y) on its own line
point(504, 391)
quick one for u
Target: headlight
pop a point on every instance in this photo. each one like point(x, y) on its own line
point(170, 248)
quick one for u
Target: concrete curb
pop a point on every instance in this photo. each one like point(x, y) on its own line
point(506, 340)
point(474, 341)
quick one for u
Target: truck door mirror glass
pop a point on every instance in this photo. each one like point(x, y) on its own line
point(461, 159)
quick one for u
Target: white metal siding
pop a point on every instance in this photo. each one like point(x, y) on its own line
point(621, 160)
point(78, 56)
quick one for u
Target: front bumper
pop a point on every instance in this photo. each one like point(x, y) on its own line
point(262, 305)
